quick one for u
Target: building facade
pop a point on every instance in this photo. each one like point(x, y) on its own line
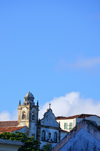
point(46, 130)
point(68, 123)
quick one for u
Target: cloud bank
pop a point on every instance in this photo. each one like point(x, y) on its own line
point(6, 116)
point(72, 104)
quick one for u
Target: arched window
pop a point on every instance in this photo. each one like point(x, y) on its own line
point(55, 137)
point(23, 115)
point(33, 115)
point(43, 135)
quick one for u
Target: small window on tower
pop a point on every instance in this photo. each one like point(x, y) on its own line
point(33, 115)
point(23, 115)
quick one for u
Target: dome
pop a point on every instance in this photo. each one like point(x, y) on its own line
point(29, 95)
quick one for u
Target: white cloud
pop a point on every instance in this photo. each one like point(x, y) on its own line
point(72, 104)
point(85, 63)
point(81, 63)
point(6, 116)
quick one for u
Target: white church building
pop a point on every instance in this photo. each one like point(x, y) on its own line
point(46, 130)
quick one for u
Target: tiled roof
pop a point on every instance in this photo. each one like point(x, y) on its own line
point(75, 116)
point(8, 123)
point(10, 129)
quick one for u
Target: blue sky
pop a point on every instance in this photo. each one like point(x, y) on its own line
point(50, 48)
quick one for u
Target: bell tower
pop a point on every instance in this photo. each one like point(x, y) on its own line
point(28, 114)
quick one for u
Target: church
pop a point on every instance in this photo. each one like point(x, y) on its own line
point(46, 130)
point(51, 130)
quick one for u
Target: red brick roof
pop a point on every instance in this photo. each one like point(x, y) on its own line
point(8, 123)
point(75, 116)
point(10, 129)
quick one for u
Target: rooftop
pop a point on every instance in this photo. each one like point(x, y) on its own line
point(75, 116)
point(8, 123)
point(10, 129)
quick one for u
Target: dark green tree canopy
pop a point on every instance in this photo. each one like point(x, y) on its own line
point(30, 144)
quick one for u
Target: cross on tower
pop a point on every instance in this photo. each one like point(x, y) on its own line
point(49, 105)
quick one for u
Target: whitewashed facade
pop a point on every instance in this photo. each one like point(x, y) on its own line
point(46, 130)
point(10, 145)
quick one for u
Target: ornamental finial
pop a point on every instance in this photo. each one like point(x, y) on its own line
point(49, 105)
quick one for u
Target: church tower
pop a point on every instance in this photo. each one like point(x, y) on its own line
point(28, 114)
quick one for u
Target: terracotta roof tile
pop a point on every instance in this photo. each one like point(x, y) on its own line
point(10, 129)
point(8, 123)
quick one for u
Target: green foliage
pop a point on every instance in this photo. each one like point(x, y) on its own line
point(30, 143)
point(46, 148)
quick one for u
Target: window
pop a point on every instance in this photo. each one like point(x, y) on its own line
point(70, 126)
point(55, 137)
point(43, 135)
point(23, 115)
point(33, 115)
point(65, 126)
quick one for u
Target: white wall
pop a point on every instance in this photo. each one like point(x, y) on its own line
point(68, 121)
point(9, 145)
point(48, 130)
point(33, 129)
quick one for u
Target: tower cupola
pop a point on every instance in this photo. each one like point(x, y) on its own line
point(29, 98)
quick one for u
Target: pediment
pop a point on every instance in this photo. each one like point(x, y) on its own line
point(49, 119)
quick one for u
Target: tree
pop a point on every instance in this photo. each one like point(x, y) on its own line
point(46, 148)
point(30, 144)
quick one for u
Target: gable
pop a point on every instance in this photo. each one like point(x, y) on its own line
point(87, 125)
point(82, 140)
point(49, 119)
